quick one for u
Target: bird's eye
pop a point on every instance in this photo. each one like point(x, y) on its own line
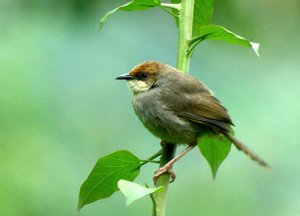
point(143, 75)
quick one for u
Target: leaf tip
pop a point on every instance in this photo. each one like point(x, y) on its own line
point(105, 17)
point(214, 173)
point(128, 202)
point(255, 47)
point(101, 24)
point(79, 207)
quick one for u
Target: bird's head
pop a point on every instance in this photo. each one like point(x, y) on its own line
point(142, 77)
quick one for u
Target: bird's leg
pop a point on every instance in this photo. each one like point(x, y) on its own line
point(167, 167)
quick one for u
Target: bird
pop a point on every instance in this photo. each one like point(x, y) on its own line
point(178, 109)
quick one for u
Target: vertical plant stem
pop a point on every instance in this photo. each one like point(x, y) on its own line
point(185, 34)
point(186, 11)
point(168, 153)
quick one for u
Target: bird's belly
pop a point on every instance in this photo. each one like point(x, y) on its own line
point(171, 132)
point(164, 123)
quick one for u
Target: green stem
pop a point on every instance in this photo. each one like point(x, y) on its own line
point(185, 34)
point(168, 153)
point(185, 22)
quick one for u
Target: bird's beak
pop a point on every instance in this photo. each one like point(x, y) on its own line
point(125, 77)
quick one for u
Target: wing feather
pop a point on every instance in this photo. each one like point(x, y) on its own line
point(195, 102)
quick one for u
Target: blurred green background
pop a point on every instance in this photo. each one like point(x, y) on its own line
point(61, 109)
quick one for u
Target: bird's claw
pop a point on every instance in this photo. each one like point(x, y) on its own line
point(163, 170)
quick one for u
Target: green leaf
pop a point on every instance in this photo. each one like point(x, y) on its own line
point(133, 191)
point(140, 5)
point(131, 6)
point(215, 32)
point(102, 181)
point(203, 13)
point(215, 149)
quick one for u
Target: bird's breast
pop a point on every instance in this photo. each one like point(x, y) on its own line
point(161, 120)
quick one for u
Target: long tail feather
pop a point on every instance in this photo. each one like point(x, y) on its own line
point(240, 146)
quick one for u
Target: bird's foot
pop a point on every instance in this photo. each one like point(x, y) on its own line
point(163, 170)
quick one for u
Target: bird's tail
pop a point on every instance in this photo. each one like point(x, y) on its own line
point(240, 146)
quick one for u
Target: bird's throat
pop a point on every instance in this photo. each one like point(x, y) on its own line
point(138, 86)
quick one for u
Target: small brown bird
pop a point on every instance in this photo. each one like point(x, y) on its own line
point(178, 108)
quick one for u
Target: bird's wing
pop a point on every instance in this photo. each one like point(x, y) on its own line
point(195, 102)
point(206, 109)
